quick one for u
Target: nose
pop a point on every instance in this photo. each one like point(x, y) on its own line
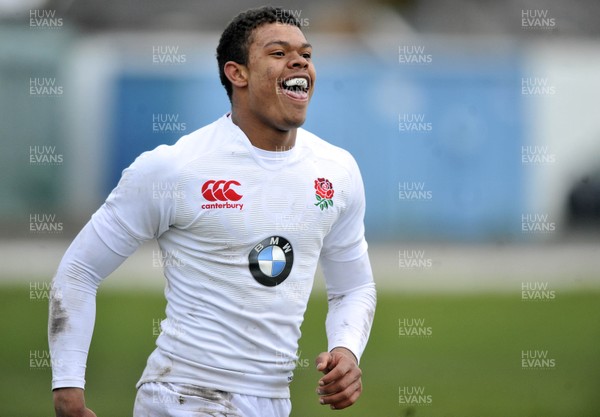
point(298, 61)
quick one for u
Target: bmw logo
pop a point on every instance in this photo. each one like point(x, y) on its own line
point(271, 260)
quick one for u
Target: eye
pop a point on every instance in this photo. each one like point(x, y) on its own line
point(278, 53)
point(306, 55)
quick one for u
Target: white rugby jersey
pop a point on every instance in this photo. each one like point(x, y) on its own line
point(241, 231)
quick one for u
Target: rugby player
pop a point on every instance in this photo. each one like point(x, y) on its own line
point(259, 202)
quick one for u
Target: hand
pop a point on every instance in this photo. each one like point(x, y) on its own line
point(341, 386)
point(70, 402)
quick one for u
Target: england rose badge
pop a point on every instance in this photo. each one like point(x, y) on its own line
point(323, 193)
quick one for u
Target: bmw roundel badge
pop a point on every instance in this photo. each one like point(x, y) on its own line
point(271, 260)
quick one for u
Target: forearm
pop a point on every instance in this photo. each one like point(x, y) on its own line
point(352, 300)
point(72, 307)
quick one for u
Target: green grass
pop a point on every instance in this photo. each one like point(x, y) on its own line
point(470, 366)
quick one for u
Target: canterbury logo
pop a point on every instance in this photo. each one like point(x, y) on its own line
point(220, 190)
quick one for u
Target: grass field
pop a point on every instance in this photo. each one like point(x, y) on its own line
point(467, 362)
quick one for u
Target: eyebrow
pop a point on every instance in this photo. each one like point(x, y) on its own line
point(287, 44)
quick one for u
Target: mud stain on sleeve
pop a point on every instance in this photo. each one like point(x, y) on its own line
point(335, 301)
point(58, 318)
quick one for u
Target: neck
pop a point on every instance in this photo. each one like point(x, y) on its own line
point(261, 134)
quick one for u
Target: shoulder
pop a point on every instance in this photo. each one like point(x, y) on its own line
point(169, 160)
point(327, 152)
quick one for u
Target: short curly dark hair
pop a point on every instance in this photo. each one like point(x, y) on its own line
point(237, 36)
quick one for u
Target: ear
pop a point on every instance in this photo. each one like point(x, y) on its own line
point(236, 73)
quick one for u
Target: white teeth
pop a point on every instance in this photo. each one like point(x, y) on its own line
point(300, 82)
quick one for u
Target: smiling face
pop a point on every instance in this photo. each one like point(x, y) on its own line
point(279, 77)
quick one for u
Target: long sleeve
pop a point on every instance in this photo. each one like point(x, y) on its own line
point(348, 275)
point(352, 299)
point(73, 305)
point(131, 215)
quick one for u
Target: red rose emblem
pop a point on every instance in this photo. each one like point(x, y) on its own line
point(324, 188)
point(324, 193)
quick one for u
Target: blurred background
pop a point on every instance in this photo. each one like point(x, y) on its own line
point(489, 111)
point(475, 123)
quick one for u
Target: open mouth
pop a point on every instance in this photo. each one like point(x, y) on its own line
point(295, 88)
